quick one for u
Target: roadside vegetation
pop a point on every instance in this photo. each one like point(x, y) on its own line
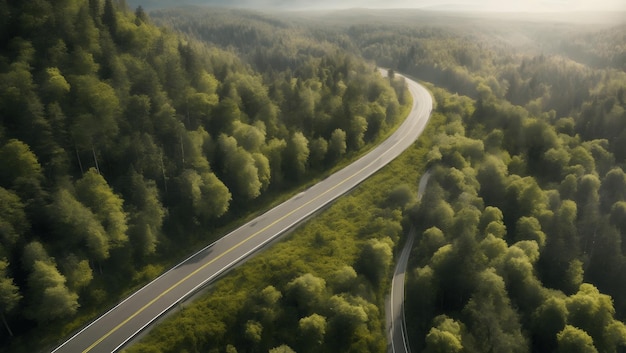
point(521, 234)
point(125, 146)
point(322, 289)
point(523, 243)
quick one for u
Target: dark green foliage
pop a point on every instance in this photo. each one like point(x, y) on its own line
point(304, 292)
point(530, 270)
point(122, 143)
point(312, 299)
point(519, 222)
point(123, 146)
point(13, 221)
point(9, 294)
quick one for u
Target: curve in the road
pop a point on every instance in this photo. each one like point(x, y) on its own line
point(115, 328)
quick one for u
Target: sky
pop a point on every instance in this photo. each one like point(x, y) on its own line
point(482, 5)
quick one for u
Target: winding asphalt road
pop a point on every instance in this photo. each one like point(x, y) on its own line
point(396, 325)
point(111, 331)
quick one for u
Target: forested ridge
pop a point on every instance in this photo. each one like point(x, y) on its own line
point(521, 242)
point(124, 145)
point(521, 235)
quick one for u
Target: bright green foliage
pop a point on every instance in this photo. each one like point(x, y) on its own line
point(514, 261)
point(13, 222)
point(250, 137)
point(492, 222)
point(445, 336)
point(77, 224)
point(574, 275)
point(34, 251)
point(282, 349)
point(347, 315)
point(50, 298)
point(613, 188)
point(95, 193)
point(312, 330)
point(432, 239)
point(343, 279)
point(192, 145)
point(356, 132)
point(77, 271)
point(253, 332)
point(308, 294)
point(296, 155)
point(575, 340)
point(527, 178)
point(337, 144)
point(306, 291)
point(104, 75)
point(591, 311)
point(264, 172)
point(96, 120)
point(19, 165)
point(270, 295)
point(528, 228)
point(9, 292)
point(208, 196)
point(274, 151)
point(615, 336)
point(112, 134)
point(240, 169)
point(492, 319)
point(56, 86)
point(147, 219)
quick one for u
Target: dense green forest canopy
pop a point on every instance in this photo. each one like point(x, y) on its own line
point(124, 145)
point(521, 235)
point(522, 245)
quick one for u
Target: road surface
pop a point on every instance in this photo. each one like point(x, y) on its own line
point(111, 331)
point(398, 339)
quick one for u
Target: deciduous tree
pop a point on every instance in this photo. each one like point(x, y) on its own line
point(13, 221)
point(312, 330)
point(296, 158)
point(445, 336)
point(9, 294)
point(94, 192)
point(574, 340)
point(49, 297)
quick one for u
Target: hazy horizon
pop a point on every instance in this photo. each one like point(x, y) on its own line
point(451, 5)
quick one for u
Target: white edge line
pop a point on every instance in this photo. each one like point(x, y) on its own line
point(228, 266)
point(265, 242)
point(224, 237)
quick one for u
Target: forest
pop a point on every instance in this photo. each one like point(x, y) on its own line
point(128, 138)
point(522, 244)
point(521, 231)
point(125, 146)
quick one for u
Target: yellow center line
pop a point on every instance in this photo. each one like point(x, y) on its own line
point(225, 253)
point(215, 259)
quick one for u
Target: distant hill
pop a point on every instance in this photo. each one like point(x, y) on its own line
point(281, 4)
point(615, 6)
